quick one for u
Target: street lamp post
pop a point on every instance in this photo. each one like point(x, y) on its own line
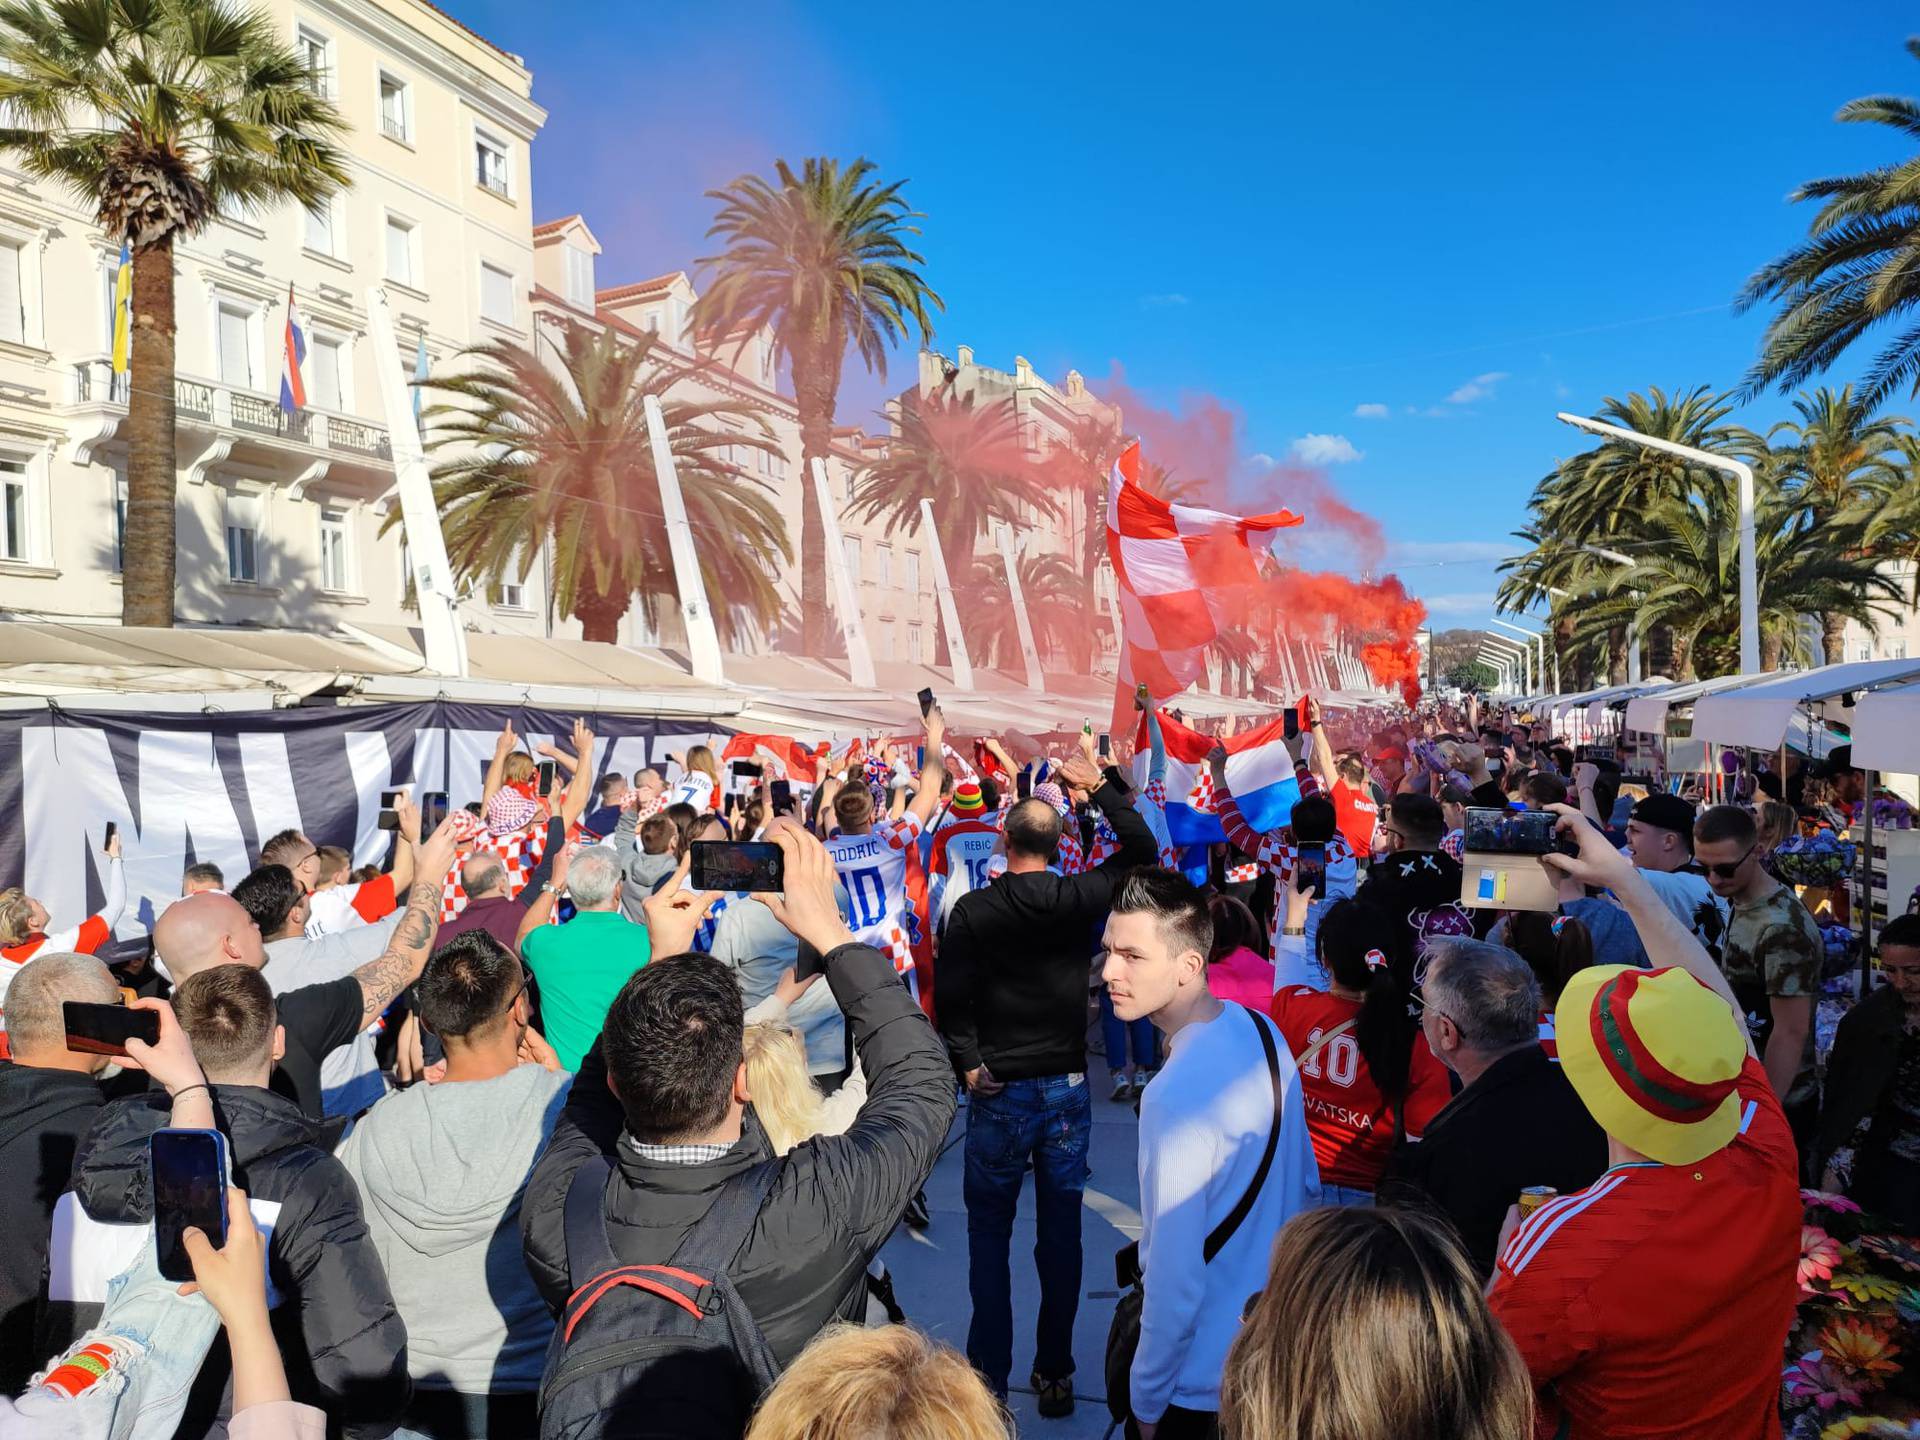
point(1749, 585)
point(1539, 640)
point(1502, 664)
point(1525, 656)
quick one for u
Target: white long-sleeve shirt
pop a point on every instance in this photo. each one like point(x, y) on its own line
point(1203, 1127)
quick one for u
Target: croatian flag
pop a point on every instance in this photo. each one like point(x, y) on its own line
point(1259, 772)
point(293, 390)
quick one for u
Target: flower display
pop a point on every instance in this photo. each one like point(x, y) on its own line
point(1864, 1351)
point(1900, 1250)
point(1846, 1375)
point(1827, 1200)
point(1820, 1256)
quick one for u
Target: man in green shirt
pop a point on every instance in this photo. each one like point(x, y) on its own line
point(1772, 957)
point(581, 965)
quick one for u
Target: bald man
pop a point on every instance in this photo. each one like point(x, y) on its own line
point(48, 1098)
point(201, 931)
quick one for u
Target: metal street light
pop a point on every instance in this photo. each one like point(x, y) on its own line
point(1539, 640)
point(1525, 656)
point(1749, 585)
point(1502, 664)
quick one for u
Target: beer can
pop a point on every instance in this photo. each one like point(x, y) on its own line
point(1533, 1197)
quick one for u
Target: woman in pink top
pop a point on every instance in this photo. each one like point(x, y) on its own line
point(1236, 970)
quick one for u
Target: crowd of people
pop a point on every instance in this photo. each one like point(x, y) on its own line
point(527, 1135)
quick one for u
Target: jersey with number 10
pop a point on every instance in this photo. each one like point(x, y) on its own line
point(886, 888)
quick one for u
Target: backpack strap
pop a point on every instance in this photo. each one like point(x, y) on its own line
point(1223, 1232)
point(1326, 1039)
point(709, 1247)
point(589, 1250)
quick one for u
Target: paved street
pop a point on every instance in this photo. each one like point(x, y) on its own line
point(930, 1269)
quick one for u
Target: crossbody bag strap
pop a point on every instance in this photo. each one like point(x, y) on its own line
point(1306, 1056)
point(1223, 1232)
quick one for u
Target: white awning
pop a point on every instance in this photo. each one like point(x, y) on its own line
point(1886, 730)
point(1757, 715)
point(1648, 713)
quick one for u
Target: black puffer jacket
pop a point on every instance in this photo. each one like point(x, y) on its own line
point(343, 1342)
point(837, 1199)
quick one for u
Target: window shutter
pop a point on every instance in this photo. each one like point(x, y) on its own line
point(13, 320)
point(496, 295)
point(320, 229)
point(236, 361)
point(323, 374)
point(399, 253)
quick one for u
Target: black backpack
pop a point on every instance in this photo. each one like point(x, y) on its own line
point(648, 1352)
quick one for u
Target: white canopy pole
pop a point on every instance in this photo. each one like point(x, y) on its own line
point(852, 631)
point(1029, 653)
point(703, 641)
point(949, 613)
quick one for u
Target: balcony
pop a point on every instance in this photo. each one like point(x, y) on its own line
point(100, 395)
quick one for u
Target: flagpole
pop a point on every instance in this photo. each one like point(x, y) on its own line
point(1028, 652)
point(703, 641)
point(852, 631)
point(957, 654)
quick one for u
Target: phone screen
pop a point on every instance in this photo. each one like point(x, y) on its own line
point(547, 769)
point(113, 829)
point(1290, 723)
point(189, 1189)
point(737, 865)
point(1106, 747)
point(389, 818)
point(105, 1029)
point(1023, 784)
point(926, 703)
point(779, 797)
point(1501, 832)
point(433, 809)
point(1310, 870)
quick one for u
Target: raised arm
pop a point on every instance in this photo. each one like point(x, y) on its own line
point(382, 980)
point(926, 795)
point(1156, 738)
point(542, 903)
point(580, 788)
point(1268, 849)
point(1319, 749)
point(497, 767)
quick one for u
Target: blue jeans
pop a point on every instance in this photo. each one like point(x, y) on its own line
point(1118, 1032)
point(1050, 1121)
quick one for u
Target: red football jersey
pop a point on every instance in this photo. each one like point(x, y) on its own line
point(1351, 1122)
point(1357, 816)
point(1654, 1304)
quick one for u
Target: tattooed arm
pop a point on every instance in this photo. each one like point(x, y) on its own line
point(382, 980)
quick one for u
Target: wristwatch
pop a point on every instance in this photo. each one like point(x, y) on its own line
point(547, 887)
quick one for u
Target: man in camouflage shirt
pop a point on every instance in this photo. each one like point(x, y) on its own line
point(1771, 956)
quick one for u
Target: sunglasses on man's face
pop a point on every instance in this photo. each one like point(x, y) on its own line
point(1728, 869)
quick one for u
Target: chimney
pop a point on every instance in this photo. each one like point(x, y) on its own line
point(963, 355)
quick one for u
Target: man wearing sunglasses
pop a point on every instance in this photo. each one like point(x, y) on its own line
point(1772, 957)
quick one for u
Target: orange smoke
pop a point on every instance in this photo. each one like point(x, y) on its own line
point(1305, 602)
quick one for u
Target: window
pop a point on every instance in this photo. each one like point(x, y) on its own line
point(513, 595)
point(882, 565)
point(400, 250)
point(767, 364)
point(886, 639)
point(850, 483)
point(324, 388)
point(13, 510)
point(677, 321)
point(396, 109)
point(913, 571)
point(13, 310)
point(1866, 652)
point(320, 238)
point(334, 570)
point(490, 163)
point(316, 53)
point(119, 522)
point(580, 276)
point(243, 538)
point(1899, 650)
point(496, 294)
point(236, 346)
point(913, 643)
point(852, 548)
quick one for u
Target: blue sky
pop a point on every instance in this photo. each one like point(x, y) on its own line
point(1411, 232)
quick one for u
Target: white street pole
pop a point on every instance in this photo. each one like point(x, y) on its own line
point(1743, 475)
point(852, 630)
point(1539, 638)
point(1525, 656)
point(1502, 666)
point(949, 613)
point(703, 641)
point(1029, 653)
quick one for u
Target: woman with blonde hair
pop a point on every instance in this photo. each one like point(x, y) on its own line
point(891, 1384)
point(699, 786)
point(1373, 1327)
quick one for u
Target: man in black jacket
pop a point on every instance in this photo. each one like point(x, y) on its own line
point(1516, 1121)
point(1011, 994)
point(1869, 1137)
point(48, 1098)
point(1416, 882)
point(663, 1095)
point(342, 1340)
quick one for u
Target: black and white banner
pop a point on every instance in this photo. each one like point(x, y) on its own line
point(188, 788)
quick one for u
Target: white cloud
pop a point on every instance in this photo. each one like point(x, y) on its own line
point(1450, 552)
point(1478, 388)
point(1468, 602)
point(1162, 302)
point(1324, 450)
point(1370, 411)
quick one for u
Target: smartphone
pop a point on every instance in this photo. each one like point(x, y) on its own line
point(1500, 832)
point(1023, 784)
point(547, 769)
point(113, 829)
point(389, 818)
point(105, 1029)
point(926, 702)
point(746, 770)
point(779, 797)
point(433, 809)
point(737, 865)
point(1310, 870)
point(1290, 723)
point(189, 1189)
point(1106, 747)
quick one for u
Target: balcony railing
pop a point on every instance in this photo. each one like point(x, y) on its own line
point(223, 407)
point(393, 127)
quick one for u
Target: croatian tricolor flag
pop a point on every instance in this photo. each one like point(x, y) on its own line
point(1259, 772)
point(293, 390)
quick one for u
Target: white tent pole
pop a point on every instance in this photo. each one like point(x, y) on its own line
point(1028, 652)
point(703, 641)
point(852, 630)
point(949, 613)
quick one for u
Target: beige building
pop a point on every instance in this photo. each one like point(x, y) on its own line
point(1891, 638)
point(279, 516)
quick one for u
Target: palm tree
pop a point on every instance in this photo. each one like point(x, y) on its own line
point(1082, 463)
point(1841, 465)
point(822, 259)
point(968, 459)
point(556, 452)
point(1056, 609)
point(157, 113)
point(1855, 270)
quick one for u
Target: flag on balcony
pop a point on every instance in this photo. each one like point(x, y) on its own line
point(293, 390)
point(122, 337)
point(1176, 570)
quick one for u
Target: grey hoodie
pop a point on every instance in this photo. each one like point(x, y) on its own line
point(640, 873)
point(440, 1170)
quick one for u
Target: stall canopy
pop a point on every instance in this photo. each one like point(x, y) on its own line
point(1758, 715)
point(1886, 730)
point(1648, 712)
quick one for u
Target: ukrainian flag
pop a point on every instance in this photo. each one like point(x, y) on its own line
point(122, 310)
